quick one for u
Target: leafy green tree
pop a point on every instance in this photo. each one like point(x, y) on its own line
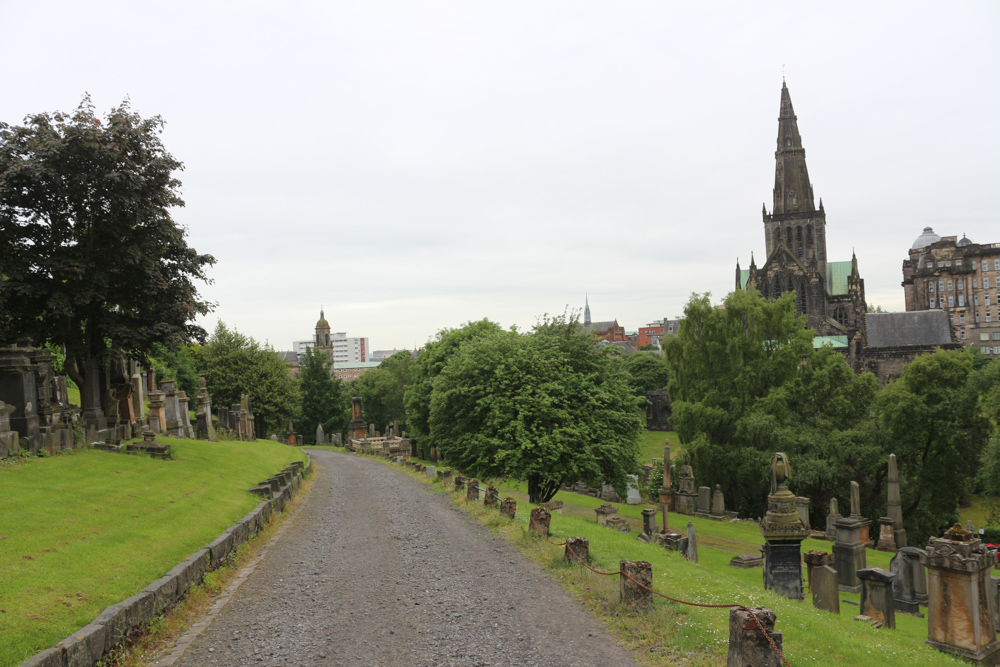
point(324, 398)
point(383, 389)
point(933, 417)
point(427, 366)
point(179, 363)
point(90, 254)
point(234, 364)
point(550, 407)
point(647, 372)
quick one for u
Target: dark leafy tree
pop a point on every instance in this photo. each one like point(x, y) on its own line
point(549, 407)
point(383, 389)
point(234, 364)
point(179, 363)
point(427, 366)
point(324, 398)
point(90, 254)
point(647, 372)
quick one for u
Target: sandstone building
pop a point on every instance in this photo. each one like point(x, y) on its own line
point(961, 278)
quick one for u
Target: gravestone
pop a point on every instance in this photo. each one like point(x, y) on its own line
point(783, 534)
point(138, 393)
point(356, 427)
point(633, 497)
point(430, 470)
point(171, 409)
point(618, 523)
point(320, 435)
point(604, 512)
point(203, 416)
point(17, 389)
point(958, 608)
point(704, 508)
point(876, 597)
point(831, 520)
point(886, 534)
point(9, 439)
point(849, 549)
point(157, 420)
point(746, 562)
point(692, 545)
point(685, 499)
point(904, 592)
point(814, 559)
point(648, 521)
point(895, 505)
point(609, 494)
point(718, 504)
point(824, 589)
point(666, 492)
point(184, 415)
point(995, 600)
point(802, 508)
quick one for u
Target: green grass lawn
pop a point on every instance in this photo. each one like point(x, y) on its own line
point(72, 393)
point(651, 446)
point(975, 511)
point(88, 529)
point(677, 634)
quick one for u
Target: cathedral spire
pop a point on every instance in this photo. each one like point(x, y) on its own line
point(586, 310)
point(792, 189)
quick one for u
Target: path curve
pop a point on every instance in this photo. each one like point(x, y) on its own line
point(377, 569)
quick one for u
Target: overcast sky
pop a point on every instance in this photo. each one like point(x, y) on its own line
point(415, 165)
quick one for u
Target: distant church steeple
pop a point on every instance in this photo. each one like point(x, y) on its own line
point(323, 342)
point(586, 311)
point(792, 189)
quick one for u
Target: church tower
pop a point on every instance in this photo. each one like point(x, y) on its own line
point(794, 219)
point(323, 342)
point(586, 311)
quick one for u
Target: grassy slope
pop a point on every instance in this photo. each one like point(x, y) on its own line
point(83, 531)
point(693, 635)
point(651, 446)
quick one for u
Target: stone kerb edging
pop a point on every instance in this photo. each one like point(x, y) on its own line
point(89, 644)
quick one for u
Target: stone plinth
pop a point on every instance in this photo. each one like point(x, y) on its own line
point(9, 440)
point(157, 420)
point(876, 596)
point(748, 645)
point(618, 523)
point(745, 562)
point(685, 503)
point(849, 553)
point(577, 549)
point(671, 541)
point(802, 509)
point(648, 521)
point(635, 584)
point(814, 559)
point(492, 498)
point(604, 512)
point(704, 508)
point(472, 490)
point(824, 589)
point(508, 508)
point(718, 504)
point(886, 534)
point(958, 584)
point(18, 389)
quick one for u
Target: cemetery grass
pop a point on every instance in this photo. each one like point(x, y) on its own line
point(162, 635)
point(87, 529)
point(651, 446)
point(674, 634)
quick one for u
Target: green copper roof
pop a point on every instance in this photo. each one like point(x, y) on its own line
point(836, 277)
point(832, 341)
point(744, 274)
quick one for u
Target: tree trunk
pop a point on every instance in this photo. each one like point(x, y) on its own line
point(73, 370)
point(540, 489)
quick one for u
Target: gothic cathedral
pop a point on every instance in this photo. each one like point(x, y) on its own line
point(830, 294)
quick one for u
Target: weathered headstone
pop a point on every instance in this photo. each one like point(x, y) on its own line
point(609, 494)
point(632, 497)
point(824, 589)
point(831, 520)
point(895, 505)
point(718, 503)
point(18, 389)
point(783, 534)
point(704, 502)
point(748, 638)
point(539, 521)
point(577, 549)
point(886, 534)
point(9, 439)
point(636, 583)
point(876, 597)
point(648, 521)
point(849, 549)
point(184, 416)
point(685, 499)
point(618, 523)
point(203, 416)
point(320, 435)
point(666, 492)
point(814, 559)
point(692, 545)
point(959, 619)
point(157, 420)
point(802, 508)
point(904, 592)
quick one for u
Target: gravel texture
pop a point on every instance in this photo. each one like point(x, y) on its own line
point(379, 570)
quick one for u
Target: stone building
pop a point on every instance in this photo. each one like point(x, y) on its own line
point(962, 279)
point(609, 330)
point(831, 294)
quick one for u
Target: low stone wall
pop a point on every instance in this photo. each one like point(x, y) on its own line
point(89, 644)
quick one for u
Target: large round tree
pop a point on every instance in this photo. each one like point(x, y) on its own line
point(551, 407)
point(89, 255)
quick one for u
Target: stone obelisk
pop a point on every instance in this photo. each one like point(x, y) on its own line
point(895, 504)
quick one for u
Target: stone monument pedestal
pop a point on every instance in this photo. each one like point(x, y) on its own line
point(783, 533)
point(958, 584)
point(886, 534)
point(685, 503)
point(849, 553)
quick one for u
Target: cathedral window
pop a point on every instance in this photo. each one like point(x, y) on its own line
point(788, 236)
point(800, 301)
point(791, 198)
point(788, 142)
point(840, 314)
point(809, 234)
point(798, 234)
point(800, 251)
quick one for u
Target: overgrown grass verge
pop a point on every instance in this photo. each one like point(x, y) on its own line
point(145, 647)
point(87, 529)
point(675, 634)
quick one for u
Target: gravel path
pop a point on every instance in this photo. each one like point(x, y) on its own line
point(379, 570)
